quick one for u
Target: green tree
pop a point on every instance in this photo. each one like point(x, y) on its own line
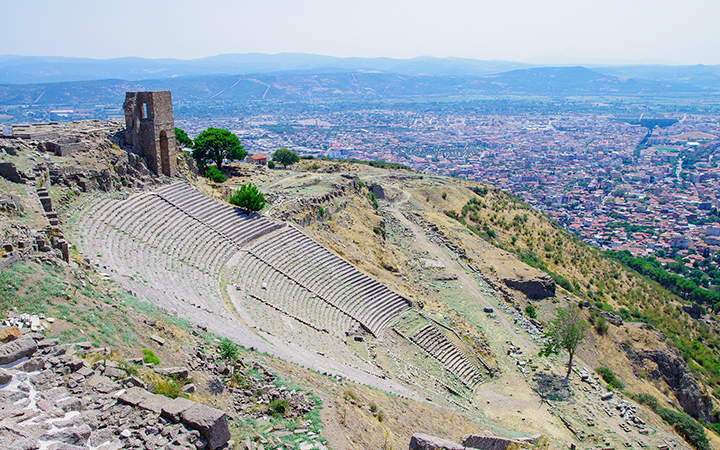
point(216, 144)
point(248, 197)
point(285, 157)
point(182, 138)
point(565, 332)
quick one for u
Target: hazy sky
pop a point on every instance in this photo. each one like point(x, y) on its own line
point(673, 31)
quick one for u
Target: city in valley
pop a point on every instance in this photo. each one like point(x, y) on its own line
point(650, 187)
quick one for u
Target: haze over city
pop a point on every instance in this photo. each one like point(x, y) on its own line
point(547, 32)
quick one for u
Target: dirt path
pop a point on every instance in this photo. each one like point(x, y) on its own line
point(509, 399)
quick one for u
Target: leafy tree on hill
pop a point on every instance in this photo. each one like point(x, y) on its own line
point(285, 157)
point(182, 138)
point(565, 332)
point(248, 197)
point(215, 145)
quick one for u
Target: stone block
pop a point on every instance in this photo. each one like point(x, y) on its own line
point(154, 403)
point(112, 372)
point(179, 373)
point(19, 348)
point(134, 396)
point(210, 422)
point(173, 409)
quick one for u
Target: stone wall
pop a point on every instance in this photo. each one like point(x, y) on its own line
point(10, 172)
point(150, 129)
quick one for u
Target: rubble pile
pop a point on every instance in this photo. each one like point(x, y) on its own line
point(52, 398)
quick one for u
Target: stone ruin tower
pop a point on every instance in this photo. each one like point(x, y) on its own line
point(150, 129)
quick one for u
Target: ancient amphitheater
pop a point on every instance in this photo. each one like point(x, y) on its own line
point(218, 265)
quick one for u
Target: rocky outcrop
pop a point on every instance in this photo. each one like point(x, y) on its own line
point(536, 288)
point(693, 310)
point(422, 441)
point(669, 365)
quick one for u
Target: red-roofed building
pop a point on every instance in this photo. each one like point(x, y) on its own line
point(257, 159)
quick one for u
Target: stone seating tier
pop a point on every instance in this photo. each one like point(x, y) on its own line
point(430, 339)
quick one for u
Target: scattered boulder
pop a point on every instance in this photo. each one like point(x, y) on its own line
point(422, 441)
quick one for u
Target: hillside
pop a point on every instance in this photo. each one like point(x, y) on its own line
point(450, 350)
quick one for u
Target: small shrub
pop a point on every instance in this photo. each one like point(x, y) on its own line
point(248, 197)
point(169, 387)
point(444, 195)
point(228, 349)
point(601, 325)
point(313, 166)
point(279, 406)
point(373, 408)
point(214, 174)
point(373, 200)
point(377, 231)
point(149, 357)
point(350, 395)
point(271, 164)
point(380, 416)
point(530, 311)
point(610, 378)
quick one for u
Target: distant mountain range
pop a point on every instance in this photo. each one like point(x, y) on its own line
point(35, 69)
point(289, 76)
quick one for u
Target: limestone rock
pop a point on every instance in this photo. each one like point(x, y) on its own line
point(212, 424)
point(422, 441)
point(19, 348)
